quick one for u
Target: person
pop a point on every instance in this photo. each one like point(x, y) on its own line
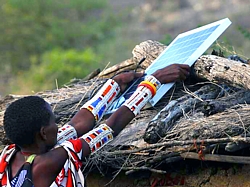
point(43, 155)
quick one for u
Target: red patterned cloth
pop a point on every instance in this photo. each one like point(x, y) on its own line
point(70, 175)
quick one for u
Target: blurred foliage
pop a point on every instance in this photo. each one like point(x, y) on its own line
point(31, 30)
point(167, 39)
point(245, 32)
point(225, 47)
point(56, 69)
point(44, 41)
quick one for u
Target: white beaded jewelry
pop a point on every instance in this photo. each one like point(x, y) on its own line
point(145, 91)
point(138, 99)
point(103, 99)
point(153, 80)
point(98, 137)
point(66, 132)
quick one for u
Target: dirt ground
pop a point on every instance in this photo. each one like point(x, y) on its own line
point(193, 174)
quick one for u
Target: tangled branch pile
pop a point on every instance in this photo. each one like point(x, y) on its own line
point(206, 118)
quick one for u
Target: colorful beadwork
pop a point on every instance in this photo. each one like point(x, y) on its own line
point(98, 137)
point(145, 91)
point(153, 80)
point(66, 132)
point(138, 99)
point(150, 86)
point(103, 99)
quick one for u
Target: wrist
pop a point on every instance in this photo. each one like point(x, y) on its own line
point(98, 137)
point(145, 91)
point(103, 99)
point(157, 75)
point(155, 81)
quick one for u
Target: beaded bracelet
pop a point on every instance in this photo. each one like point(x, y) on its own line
point(153, 80)
point(103, 99)
point(66, 132)
point(98, 137)
point(138, 99)
point(149, 85)
point(145, 91)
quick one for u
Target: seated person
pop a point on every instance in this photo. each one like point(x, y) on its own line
point(55, 154)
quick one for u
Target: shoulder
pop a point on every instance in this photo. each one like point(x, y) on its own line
point(46, 166)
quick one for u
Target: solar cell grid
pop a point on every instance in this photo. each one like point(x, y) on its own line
point(185, 49)
point(181, 49)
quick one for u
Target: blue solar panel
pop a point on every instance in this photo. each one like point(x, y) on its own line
point(181, 49)
point(186, 48)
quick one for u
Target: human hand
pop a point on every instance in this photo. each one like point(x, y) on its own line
point(123, 79)
point(172, 73)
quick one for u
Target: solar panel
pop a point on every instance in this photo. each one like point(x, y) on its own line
point(186, 48)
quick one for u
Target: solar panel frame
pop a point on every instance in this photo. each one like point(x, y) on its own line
point(222, 26)
point(211, 32)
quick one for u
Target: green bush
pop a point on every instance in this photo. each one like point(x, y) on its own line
point(30, 29)
point(245, 32)
point(57, 66)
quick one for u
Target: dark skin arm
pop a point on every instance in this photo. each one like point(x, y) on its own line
point(52, 162)
point(84, 121)
point(123, 115)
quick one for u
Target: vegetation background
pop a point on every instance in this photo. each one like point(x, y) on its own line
point(46, 43)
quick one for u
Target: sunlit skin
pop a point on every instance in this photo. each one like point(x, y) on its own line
point(49, 162)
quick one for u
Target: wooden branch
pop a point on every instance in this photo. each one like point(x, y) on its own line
point(134, 169)
point(92, 74)
point(219, 105)
point(163, 156)
point(172, 143)
point(148, 49)
point(222, 70)
point(173, 159)
point(217, 158)
point(126, 65)
point(167, 117)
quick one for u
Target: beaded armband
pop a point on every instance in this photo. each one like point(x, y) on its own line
point(145, 91)
point(153, 80)
point(103, 99)
point(98, 137)
point(66, 132)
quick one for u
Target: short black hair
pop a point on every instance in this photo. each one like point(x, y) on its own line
point(24, 117)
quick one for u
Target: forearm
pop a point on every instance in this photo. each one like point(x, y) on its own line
point(83, 122)
point(93, 110)
point(90, 113)
point(120, 119)
point(132, 107)
point(103, 134)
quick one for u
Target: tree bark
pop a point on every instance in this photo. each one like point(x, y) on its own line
point(214, 106)
point(67, 100)
point(222, 70)
point(167, 117)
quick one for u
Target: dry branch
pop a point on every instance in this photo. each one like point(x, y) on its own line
point(129, 151)
point(172, 143)
point(166, 118)
point(222, 70)
point(217, 158)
